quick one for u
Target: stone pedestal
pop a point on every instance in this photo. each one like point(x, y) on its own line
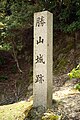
point(43, 59)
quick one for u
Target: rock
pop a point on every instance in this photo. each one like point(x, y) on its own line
point(35, 113)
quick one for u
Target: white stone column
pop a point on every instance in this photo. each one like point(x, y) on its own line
point(43, 59)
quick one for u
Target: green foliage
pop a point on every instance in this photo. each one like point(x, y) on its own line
point(5, 46)
point(14, 69)
point(16, 16)
point(51, 117)
point(75, 73)
point(3, 78)
point(20, 13)
point(68, 16)
point(77, 87)
point(2, 60)
point(1, 25)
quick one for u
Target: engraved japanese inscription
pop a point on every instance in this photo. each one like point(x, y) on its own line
point(43, 59)
point(40, 21)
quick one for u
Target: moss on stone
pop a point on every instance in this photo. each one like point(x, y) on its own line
point(50, 117)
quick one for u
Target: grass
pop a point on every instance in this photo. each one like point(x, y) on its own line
point(15, 111)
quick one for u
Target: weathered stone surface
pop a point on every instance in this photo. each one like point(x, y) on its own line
point(35, 113)
point(43, 60)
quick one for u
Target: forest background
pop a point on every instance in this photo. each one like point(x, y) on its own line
point(16, 43)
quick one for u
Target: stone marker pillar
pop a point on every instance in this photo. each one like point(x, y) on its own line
point(43, 59)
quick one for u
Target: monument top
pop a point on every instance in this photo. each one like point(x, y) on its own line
point(42, 12)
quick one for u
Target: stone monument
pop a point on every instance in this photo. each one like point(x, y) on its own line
point(43, 59)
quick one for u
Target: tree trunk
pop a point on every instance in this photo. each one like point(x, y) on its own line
point(15, 56)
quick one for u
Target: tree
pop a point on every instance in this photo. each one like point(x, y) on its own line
point(17, 15)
